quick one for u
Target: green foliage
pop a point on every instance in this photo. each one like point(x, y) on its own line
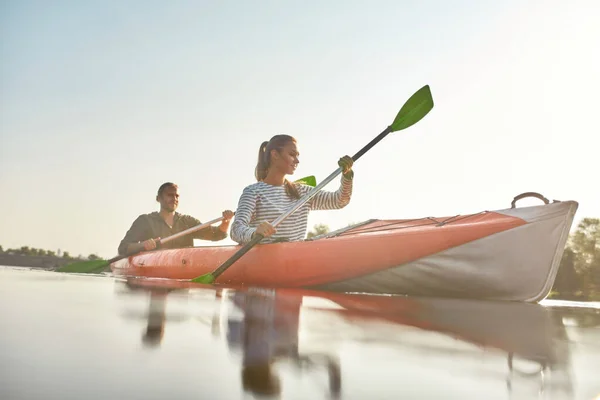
point(317, 230)
point(578, 277)
point(33, 252)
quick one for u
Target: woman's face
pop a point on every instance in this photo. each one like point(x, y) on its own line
point(286, 160)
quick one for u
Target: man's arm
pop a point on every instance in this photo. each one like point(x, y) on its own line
point(135, 236)
point(212, 233)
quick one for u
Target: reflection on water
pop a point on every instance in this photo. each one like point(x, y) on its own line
point(156, 318)
point(264, 326)
point(139, 338)
point(268, 332)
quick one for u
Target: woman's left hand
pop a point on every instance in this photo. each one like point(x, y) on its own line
point(346, 163)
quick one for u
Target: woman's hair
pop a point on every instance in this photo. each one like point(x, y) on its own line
point(277, 142)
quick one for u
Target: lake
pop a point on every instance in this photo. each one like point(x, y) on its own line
point(67, 336)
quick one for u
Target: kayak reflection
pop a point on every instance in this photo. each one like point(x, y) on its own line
point(270, 330)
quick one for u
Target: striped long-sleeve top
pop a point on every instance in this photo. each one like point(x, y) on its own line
point(261, 202)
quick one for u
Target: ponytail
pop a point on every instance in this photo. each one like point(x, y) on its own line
point(264, 160)
point(262, 165)
point(291, 189)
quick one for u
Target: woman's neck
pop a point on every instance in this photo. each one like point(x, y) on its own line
point(274, 178)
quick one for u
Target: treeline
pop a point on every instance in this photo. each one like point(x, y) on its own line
point(32, 251)
point(578, 277)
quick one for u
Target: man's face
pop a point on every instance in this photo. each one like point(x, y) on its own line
point(169, 199)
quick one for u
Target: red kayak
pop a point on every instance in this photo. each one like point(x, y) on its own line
point(509, 254)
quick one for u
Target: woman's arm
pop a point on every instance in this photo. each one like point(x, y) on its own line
point(332, 200)
point(241, 231)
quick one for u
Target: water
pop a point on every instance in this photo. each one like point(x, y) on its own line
point(99, 337)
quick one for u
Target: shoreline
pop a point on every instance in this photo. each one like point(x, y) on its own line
point(39, 262)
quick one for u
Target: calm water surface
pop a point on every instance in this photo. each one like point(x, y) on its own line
point(99, 337)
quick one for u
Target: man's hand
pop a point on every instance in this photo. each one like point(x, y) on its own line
point(150, 244)
point(227, 215)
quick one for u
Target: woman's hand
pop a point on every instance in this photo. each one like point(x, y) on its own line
point(346, 163)
point(265, 229)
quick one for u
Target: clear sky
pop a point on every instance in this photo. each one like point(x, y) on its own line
point(102, 101)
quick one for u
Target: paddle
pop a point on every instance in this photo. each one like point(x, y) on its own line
point(96, 265)
point(309, 180)
point(92, 266)
point(415, 108)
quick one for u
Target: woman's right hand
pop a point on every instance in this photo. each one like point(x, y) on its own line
point(265, 229)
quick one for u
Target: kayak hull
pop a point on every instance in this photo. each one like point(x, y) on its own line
point(510, 254)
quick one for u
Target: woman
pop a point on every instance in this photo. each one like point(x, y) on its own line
point(266, 200)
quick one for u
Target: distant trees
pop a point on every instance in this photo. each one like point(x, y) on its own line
point(317, 230)
point(321, 229)
point(32, 251)
point(578, 277)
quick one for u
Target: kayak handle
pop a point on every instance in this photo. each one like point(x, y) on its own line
point(528, 194)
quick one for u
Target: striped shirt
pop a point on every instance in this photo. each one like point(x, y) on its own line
point(261, 202)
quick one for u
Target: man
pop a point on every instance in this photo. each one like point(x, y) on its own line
point(148, 228)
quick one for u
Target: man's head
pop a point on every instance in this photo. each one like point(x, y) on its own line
point(168, 196)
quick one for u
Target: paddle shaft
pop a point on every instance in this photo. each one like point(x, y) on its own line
point(258, 237)
point(180, 234)
point(335, 173)
point(169, 238)
point(94, 265)
point(413, 110)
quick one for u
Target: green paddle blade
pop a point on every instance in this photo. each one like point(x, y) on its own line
point(308, 180)
point(206, 279)
point(415, 108)
point(84, 266)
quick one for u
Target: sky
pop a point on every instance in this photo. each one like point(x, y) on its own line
point(103, 101)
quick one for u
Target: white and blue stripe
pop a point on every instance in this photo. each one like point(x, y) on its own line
point(261, 202)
